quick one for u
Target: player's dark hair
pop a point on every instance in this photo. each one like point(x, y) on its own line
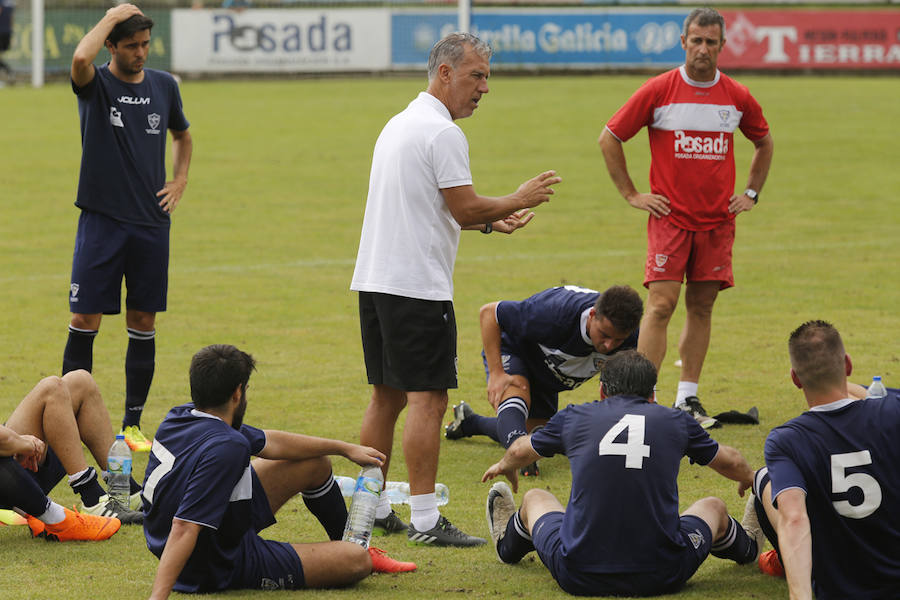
point(216, 371)
point(622, 306)
point(128, 28)
point(705, 16)
point(817, 355)
point(451, 49)
point(630, 373)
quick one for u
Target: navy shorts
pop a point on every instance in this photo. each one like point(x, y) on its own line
point(107, 250)
point(544, 404)
point(667, 578)
point(408, 344)
point(265, 564)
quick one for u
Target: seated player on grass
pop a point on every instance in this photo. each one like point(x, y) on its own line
point(63, 412)
point(205, 501)
point(548, 343)
point(829, 496)
point(621, 533)
point(20, 492)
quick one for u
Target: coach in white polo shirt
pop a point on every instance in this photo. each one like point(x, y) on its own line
point(420, 196)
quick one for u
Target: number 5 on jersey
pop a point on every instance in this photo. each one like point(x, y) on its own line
point(633, 449)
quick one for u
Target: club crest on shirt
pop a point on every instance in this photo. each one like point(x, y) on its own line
point(724, 114)
point(153, 120)
point(115, 117)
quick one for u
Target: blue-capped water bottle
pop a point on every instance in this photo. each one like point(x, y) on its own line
point(876, 389)
point(118, 465)
point(361, 517)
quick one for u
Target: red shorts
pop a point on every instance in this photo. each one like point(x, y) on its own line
point(675, 254)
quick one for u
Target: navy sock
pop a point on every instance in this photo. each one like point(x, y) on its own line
point(511, 416)
point(735, 545)
point(79, 352)
point(140, 361)
point(88, 487)
point(327, 505)
point(18, 489)
point(479, 425)
point(516, 542)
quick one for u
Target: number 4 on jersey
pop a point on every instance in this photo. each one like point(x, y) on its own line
point(633, 449)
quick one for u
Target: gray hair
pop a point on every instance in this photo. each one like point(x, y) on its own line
point(705, 16)
point(451, 49)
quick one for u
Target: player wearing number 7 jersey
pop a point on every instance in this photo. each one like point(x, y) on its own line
point(621, 533)
point(830, 492)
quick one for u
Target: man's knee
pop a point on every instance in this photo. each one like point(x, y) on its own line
point(661, 305)
point(359, 562)
point(79, 383)
point(90, 322)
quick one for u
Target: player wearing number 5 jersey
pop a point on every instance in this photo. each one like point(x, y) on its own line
point(831, 490)
point(624, 453)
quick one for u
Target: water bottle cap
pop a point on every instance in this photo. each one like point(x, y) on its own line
point(876, 378)
point(120, 436)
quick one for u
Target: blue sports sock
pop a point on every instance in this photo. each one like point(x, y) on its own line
point(511, 416)
point(327, 505)
point(735, 545)
point(79, 352)
point(18, 489)
point(479, 425)
point(516, 542)
point(140, 362)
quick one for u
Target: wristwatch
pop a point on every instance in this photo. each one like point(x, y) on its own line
point(488, 227)
point(752, 194)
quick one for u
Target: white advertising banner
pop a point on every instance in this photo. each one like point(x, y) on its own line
point(262, 40)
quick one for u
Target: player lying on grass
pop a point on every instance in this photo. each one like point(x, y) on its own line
point(548, 343)
point(63, 412)
point(621, 533)
point(829, 496)
point(205, 501)
point(19, 491)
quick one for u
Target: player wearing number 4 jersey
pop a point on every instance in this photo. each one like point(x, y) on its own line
point(624, 453)
point(830, 493)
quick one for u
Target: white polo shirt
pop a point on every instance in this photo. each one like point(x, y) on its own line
point(409, 238)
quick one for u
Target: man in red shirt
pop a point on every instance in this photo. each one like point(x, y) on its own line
point(691, 113)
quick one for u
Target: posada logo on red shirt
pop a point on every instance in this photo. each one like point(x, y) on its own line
point(709, 147)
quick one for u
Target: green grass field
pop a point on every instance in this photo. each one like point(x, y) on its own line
point(265, 240)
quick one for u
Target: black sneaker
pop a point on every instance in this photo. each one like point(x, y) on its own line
point(390, 524)
point(442, 534)
point(461, 412)
point(500, 508)
point(107, 507)
point(693, 407)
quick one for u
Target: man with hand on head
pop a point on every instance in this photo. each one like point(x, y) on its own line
point(691, 114)
point(420, 197)
point(125, 200)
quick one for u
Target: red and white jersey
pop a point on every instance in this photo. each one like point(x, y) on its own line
point(691, 128)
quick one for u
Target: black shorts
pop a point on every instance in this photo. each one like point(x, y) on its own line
point(408, 344)
point(49, 473)
point(105, 251)
point(544, 403)
point(4, 41)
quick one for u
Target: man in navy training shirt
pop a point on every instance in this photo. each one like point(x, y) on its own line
point(829, 496)
point(205, 502)
point(624, 453)
point(125, 200)
point(548, 343)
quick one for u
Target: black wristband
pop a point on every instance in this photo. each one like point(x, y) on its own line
point(489, 227)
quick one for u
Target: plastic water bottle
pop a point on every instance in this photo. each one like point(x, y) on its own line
point(361, 518)
point(397, 491)
point(876, 389)
point(119, 468)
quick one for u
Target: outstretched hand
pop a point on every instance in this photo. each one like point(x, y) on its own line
point(365, 456)
point(517, 220)
point(538, 190)
point(495, 470)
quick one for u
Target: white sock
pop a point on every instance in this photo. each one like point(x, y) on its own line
point(384, 507)
point(685, 390)
point(53, 515)
point(424, 511)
